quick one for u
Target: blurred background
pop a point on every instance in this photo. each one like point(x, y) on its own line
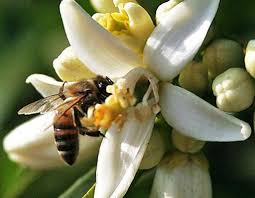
point(32, 35)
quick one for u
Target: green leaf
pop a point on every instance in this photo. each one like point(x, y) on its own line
point(81, 185)
point(90, 193)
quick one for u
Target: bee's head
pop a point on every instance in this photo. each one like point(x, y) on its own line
point(102, 82)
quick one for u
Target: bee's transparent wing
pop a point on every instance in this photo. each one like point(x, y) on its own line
point(44, 105)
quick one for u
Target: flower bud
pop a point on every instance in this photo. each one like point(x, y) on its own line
point(103, 6)
point(182, 176)
point(186, 144)
point(164, 8)
point(250, 58)
point(221, 55)
point(234, 90)
point(194, 77)
point(154, 152)
point(69, 67)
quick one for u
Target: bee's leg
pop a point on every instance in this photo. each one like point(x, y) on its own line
point(85, 131)
point(77, 114)
point(61, 91)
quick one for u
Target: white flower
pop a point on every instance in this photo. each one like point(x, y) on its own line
point(172, 44)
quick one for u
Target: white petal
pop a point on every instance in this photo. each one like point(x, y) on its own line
point(164, 9)
point(120, 155)
point(196, 118)
point(45, 85)
point(98, 49)
point(32, 144)
point(69, 68)
point(177, 38)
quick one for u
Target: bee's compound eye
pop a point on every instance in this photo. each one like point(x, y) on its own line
point(102, 85)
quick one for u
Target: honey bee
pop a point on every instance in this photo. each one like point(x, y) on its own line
point(71, 105)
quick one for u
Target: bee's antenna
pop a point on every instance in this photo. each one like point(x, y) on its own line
point(61, 91)
point(101, 134)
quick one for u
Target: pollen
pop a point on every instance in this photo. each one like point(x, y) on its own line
point(116, 106)
point(121, 95)
point(113, 110)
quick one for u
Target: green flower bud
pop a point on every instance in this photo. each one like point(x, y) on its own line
point(194, 78)
point(182, 176)
point(221, 55)
point(234, 90)
point(186, 144)
point(154, 152)
point(250, 58)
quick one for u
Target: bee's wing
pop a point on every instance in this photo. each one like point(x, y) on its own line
point(44, 105)
point(64, 107)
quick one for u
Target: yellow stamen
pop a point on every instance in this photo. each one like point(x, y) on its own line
point(102, 116)
point(117, 105)
point(132, 25)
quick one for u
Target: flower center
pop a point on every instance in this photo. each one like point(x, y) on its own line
point(115, 107)
point(116, 23)
point(132, 25)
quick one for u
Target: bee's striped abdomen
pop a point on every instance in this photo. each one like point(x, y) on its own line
point(66, 136)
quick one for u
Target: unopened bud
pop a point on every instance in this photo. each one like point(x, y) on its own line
point(186, 144)
point(234, 89)
point(250, 58)
point(194, 78)
point(221, 55)
point(154, 152)
point(69, 67)
point(182, 176)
